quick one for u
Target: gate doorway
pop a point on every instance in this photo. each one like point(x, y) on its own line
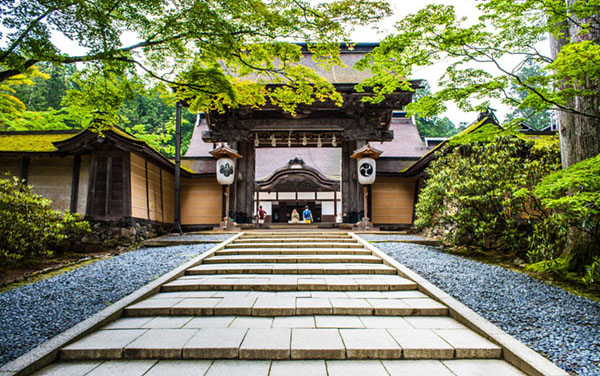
point(282, 211)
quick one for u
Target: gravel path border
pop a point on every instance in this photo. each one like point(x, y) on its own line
point(32, 314)
point(563, 326)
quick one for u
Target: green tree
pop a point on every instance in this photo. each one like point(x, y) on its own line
point(47, 92)
point(433, 126)
point(533, 118)
point(202, 48)
point(478, 69)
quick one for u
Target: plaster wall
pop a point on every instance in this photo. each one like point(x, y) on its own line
point(52, 177)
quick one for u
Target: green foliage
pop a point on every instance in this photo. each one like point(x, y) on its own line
point(433, 126)
point(200, 47)
point(28, 226)
point(11, 107)
point(573, 196)
point(592, 273)
point(480, 53)
point(479, 191)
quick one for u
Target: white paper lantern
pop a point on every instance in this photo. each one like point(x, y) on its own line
point(225, 171)
point(366, 171)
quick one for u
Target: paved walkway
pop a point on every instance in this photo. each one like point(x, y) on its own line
point(285, 304)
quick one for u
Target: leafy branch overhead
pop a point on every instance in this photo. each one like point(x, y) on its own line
point(481, 55)
point(208, 50)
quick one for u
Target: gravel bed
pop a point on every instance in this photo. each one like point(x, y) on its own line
point(189, 237)
point(382, 238)
point(34, 313)
point(563, 326)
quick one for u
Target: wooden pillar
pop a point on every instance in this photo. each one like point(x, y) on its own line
point(244, 187)
point(351, 192)
point(177, 219)
point(75, 183)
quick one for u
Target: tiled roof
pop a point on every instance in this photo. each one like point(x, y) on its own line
point(199, 148)
point(406, 143)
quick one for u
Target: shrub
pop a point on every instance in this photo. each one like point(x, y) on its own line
point(29, 227)
point(479, 190)
point(572, 196)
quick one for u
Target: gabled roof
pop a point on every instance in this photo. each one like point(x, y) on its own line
point(296, 176)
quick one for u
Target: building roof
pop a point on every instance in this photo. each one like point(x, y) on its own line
point(349, 55)
point(32, 141)
point(325, 160)
point(199, 148)
point(407, 142)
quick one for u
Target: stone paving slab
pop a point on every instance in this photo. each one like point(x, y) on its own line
point(370, 344)
point(317, 344)
point(266, 344)
point(101, 344)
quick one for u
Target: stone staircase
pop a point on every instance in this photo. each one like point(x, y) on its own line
point(279, 303)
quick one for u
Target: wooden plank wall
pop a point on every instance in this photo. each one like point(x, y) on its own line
point(154, 193)
point(392, 200)
point(168, 196)
point(201, 201)
point(139, 201)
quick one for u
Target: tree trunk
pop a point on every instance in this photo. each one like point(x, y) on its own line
point(579, 134)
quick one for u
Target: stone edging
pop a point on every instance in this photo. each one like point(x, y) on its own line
point(47, 352)
point(514, 351)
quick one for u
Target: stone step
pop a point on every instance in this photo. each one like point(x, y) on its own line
point(396, 367)
point(257, 305)
point(294, 233)
point(298, 268)
point(293, 240)
point(290, 282)
point(281, 343)
point(316, 244)
point(318, 235)
point(289, 322)
point(293, 258)
point(288, 251)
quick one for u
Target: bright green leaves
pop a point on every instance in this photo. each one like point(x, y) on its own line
point(29, 227)
point(479, 191)
point(575, 191)
point(480, 51)
point(99, 95)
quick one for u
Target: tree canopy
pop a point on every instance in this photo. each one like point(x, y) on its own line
point(204, 49)
point(478, 69)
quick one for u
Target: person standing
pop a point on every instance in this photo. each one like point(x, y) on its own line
point(295, 216)
point(262, 214)
point(307, 215)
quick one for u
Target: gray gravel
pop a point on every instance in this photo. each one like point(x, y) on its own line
point(552, 321)
point(187, 237)
point(32, 314)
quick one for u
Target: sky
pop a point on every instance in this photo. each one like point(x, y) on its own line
point(401, 8)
